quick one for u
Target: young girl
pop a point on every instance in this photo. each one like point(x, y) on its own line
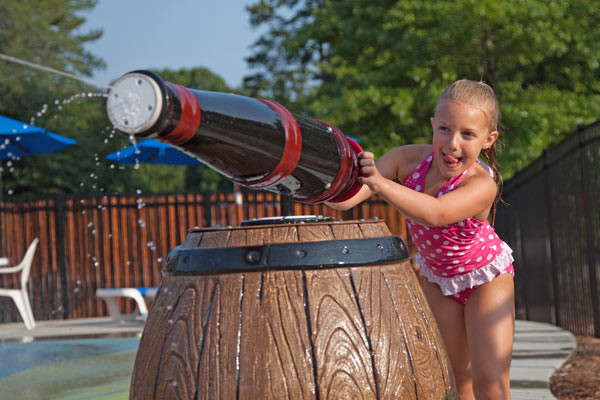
point(447, 194)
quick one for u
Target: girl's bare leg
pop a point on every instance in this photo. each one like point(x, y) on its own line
point(490, 324)
point(449, 315)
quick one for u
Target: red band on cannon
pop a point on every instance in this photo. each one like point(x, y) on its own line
point(291, 151)
point(356, 185)
point(189, 121)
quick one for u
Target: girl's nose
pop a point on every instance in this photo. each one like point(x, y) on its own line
point(453, 141)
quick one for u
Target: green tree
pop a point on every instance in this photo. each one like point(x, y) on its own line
point(377, 68)
point(49, 34)
point(287, 56)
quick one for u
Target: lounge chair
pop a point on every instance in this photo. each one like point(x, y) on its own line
point(140, 295)
point(20, 296)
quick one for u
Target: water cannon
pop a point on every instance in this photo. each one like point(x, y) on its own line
point(253, 142)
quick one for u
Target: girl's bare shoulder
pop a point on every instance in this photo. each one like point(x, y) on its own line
point(406, 158)
point(481, 176)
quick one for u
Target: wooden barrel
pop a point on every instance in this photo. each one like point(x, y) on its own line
point(323, 310)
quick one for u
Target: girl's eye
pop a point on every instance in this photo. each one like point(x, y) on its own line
point(467, 133)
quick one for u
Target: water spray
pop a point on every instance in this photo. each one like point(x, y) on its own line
point(52, 70)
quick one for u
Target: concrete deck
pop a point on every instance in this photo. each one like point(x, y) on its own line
point(71, 328)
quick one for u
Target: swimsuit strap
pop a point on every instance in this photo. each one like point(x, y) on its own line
point(416, 179)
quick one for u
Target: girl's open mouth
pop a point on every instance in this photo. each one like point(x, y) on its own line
point(451, 161)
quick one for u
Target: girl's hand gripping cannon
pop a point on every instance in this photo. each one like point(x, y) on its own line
point(253, 142)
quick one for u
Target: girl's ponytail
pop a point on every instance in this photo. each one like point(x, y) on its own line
point(490, 156)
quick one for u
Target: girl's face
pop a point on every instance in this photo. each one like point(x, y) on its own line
point(460, 132)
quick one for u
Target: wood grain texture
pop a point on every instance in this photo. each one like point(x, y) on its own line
point(392, 357)
point(342, 333)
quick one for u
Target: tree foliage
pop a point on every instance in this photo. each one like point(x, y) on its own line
point(377, 68)
point(49, 34)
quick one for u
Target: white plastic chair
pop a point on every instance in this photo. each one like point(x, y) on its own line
point(20, 296)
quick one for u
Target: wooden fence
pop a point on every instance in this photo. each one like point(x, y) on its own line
point(87, 242)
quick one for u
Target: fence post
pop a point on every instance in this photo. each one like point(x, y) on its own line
point(60, 251)
point(207, 209)
point(550, 242)
point(589, 236)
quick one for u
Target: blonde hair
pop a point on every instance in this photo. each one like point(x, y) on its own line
point(480, 95)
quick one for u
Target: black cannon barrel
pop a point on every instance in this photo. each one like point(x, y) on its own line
point(254, 142)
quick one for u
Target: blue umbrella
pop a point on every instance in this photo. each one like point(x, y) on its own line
point(20, 139)
point(154, 152)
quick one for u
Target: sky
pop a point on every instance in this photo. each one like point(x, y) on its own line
point(175, 34)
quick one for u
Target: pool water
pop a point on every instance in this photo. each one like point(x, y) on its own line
point(67, 369)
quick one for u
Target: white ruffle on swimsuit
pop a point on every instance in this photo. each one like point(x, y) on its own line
point(458, 256)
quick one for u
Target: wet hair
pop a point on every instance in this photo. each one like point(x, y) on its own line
point(482, 96)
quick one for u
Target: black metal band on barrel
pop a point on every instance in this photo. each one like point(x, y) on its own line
point(290, 256)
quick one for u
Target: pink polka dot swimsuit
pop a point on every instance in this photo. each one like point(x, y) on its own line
point(461, 256)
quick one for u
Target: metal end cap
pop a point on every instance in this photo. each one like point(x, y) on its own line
point(134, 103)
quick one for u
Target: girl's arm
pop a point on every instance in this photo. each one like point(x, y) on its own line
point(395, 164)
point(473, 198)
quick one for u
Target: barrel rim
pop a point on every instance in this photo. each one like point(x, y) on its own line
point(335, 222)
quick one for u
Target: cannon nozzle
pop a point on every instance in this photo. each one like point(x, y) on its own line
point(256, 143)
point(135, 103)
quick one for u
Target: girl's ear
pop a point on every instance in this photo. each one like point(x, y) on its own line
point(491, 138)
point(432, 120)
